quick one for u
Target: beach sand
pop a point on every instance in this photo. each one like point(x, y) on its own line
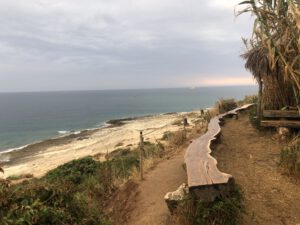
point(39, 158)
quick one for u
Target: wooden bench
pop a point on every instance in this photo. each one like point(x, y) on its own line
point(281, 118)
point(204, 178)
point(281, 114)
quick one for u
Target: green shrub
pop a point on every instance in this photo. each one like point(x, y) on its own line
point(122, 164)
point(73, 193)
point(47, 203)
point(64, 196)
point(249, 99)
point(224, 211)
point(18, 177)
point(74, 171)
point(226, 105)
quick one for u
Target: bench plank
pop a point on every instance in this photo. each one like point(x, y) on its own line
point(281, 123)
point(201, 167)
point(281, 114)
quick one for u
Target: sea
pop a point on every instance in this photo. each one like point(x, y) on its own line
point(27, 118)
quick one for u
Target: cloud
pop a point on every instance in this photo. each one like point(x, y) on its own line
point(98, 42)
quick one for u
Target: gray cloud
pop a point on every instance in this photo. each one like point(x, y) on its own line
point(103, 44)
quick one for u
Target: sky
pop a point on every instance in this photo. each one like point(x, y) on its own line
point(49, 45)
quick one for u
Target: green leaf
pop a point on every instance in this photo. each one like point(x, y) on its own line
point(247, 2)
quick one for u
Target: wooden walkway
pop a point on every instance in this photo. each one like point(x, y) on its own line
point(204, 178)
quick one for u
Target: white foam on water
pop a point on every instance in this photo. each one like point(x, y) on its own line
point(13, 149)
point(63, 132)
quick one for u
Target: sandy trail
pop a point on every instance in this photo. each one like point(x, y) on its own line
point(251, 157)
point(150, 207)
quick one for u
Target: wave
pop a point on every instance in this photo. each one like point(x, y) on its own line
point(63, 131)
point(13, 149)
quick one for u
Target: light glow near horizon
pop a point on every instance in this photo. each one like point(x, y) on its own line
point(120, 44)
point(242, 81)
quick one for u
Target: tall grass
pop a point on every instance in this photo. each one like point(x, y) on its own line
point(290, 158)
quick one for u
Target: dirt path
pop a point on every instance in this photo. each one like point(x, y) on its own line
point(271, 197)
point(150, 207)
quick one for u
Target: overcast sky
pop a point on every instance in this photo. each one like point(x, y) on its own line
point(120, 44)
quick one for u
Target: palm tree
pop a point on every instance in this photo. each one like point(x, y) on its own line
point(273, 52)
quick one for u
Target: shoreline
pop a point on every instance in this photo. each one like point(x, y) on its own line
point(40, 157)
point(65, 134)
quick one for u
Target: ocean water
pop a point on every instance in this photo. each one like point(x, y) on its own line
point(30, 117)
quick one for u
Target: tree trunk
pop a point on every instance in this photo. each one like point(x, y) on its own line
point(259, 103)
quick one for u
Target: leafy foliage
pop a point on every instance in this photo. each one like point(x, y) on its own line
point(63, 196)
point(75, 171)
point(224, 211)
point(18, 177)
point(73, 193)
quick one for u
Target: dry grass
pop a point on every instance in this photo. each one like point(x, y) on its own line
point(225, 105)
point(290, 158)
point(177, 138)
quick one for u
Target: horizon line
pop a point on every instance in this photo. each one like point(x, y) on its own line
point(128, 89)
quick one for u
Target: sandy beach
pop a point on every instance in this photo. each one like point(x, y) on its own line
point(39, 158)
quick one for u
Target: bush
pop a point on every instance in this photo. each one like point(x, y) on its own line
point(224, 211)
point(249, 99)
point(18, 177)
point(47, 203)
point(290, 159)
point(63, 196)
point(178, 138)
point(226, 105)
point(74, 171)
point(121, 162)
point(73, 193)
point(167, 135)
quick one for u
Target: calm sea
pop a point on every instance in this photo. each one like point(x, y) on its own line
point(30, 117)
